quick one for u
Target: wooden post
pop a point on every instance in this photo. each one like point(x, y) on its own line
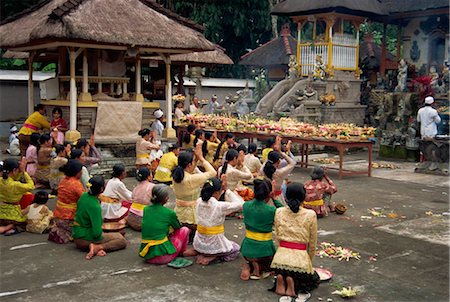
point(383, 51)
point(330, 22)
point(169, 132)
point(85, 96)
point(99, 72)
point(73, 91)
point(73, 87)
point(30, 83)
point(299, 41)
point(139, 97)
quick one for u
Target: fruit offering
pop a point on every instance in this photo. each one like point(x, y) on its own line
point(284, 126)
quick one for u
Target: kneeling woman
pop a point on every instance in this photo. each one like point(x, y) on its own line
point(157, 246)
point(141, 196)
point(257, 247)
point(12, 191)
point(116, 199)
point(296, 230)
point(87, 228)
point(210, 240)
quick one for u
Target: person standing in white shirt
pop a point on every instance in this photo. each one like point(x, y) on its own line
point(428, 118)
point(157, 125)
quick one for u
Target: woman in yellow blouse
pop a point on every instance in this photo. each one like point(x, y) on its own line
point(187, 185)
point(35, 122)
point(210, 145)
point(143, 148)
point(12, 190)
point(167, 163)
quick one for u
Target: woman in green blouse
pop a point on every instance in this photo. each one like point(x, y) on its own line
point(87, 229)
point(257, 247)
point(157, 246)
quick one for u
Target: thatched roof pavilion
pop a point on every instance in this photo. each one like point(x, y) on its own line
point(138, 23)
point(132, 27)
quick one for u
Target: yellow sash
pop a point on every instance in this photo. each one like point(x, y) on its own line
point(214, 230)
point(150, 243)
point(315, 203)
point(258, 236)
point(107, 199)
point(71, 206)
point(138, 206)
point(146, 155)
point(183, 203)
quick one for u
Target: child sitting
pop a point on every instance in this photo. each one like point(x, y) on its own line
point(39, 216)
point(55, 167)
point(318, 193)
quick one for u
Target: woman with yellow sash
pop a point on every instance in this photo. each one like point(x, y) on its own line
point(70, 190)
point(141, 196)
point(166, 164)
point(87, 227)
point(187, 185)
point(257, 247)
point(143, 148)
point(34, 123)
point(116, 199)
point(12, 191)
point(296, 231)
point(210, 241)
point(158, 246)
point(187, 141)
point(318, 193)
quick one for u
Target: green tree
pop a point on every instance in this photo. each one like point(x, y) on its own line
point(9, 8)
point(236, 25)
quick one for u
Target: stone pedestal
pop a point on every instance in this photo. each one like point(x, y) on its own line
point(169, 133)
point(344, 113)
point(85, 97)
point(137, 97)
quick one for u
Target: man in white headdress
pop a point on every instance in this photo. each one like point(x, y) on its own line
point(157, 125)
point(428, 118)
point(212, 105)
point(13, 141)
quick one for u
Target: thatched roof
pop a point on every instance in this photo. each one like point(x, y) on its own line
point(140, 23)
point(274, 52)
point(364, 8)
point(216, 56)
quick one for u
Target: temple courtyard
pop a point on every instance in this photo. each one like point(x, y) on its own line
point(396, 220)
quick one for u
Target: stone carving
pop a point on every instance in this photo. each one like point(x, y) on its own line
point(319, 69)
point(402, 76)
point(412, 141)
point(414, 53)
point(293, 67)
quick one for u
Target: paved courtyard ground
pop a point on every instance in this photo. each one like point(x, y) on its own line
point(402, 259)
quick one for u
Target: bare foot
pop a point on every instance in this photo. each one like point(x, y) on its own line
point(190, 252)
point(256, 272)
point(92, 252)
point(101, 253)
point(245, 272)
point(7, 228)
point(280, 288)
point(290, 290)
point(204, 260)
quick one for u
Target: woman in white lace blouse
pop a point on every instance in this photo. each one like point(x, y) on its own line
point(210, 241)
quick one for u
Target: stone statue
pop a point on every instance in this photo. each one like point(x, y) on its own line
point(293, 67)
point(434, 77)
point(412, 141)
point(319, 69)
point(400, 110)
point(401, 76)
